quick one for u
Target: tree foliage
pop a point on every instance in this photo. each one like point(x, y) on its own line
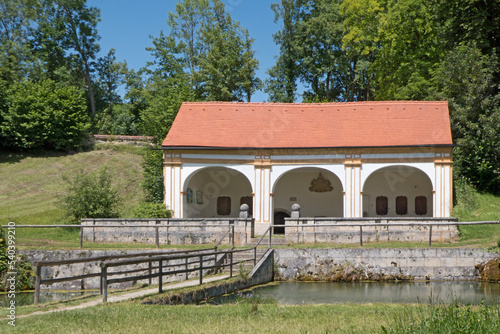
point(42, 115)
point(354, 50)
point(90, 195)
point(14, 263)
point(153, 176)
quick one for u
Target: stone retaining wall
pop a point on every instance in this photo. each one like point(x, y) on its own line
point(171, 231)
point(418, 263)
point(94, 267)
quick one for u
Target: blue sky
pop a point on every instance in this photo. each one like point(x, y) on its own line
point(126, 26)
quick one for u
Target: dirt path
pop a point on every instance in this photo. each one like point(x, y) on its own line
point(130, 295)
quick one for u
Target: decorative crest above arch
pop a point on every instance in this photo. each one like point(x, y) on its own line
point(320, 185)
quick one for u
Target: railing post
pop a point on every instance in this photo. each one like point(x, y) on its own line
point(270, 233)
point(187, 267)
point(255, 256)
point(160, 276)
point(150, 265)
point(360, 235)
point(201, 269)
point(232, 236)
point(101, 281)
point(157, 237)
point(81, 237)
point(430, 236)
point(231, 264)
point(104, 278)
point(38, 279)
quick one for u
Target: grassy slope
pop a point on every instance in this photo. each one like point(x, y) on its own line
point(30, 186)
point(488, 209)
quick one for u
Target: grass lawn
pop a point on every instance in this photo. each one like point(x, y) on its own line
point(133, 317)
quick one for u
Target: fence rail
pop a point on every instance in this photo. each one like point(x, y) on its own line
point(156, 227)
point(361, 225)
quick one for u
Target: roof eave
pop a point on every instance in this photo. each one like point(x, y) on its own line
point(166, 147)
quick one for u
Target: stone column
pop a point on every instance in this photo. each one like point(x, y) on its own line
point(353, 196)
point(172, 167)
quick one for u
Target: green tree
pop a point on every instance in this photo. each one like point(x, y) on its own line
point(153, 176)
point(227, 65)
point(43, 115)
point(411, 47)
point(465, 78)
point(90, 195)
point(67, 38)
point(361, 40)
point(213, 51)
point(311, 51)
point(110, 75)
point(282, 83)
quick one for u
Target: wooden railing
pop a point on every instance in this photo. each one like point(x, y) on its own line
point(201, 261)
point(204, 261)
point(40, 264)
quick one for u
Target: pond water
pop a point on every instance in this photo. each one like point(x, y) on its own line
point(27, 298)
point(360, 292)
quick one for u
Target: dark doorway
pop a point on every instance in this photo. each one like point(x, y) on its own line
point(279, 219)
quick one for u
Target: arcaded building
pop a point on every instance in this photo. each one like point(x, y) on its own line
point(360, 159)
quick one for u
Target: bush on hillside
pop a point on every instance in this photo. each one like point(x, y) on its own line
point(153, 176)
point(466, 197)
point(91, 195)
point(152, 210)
point(10, 262)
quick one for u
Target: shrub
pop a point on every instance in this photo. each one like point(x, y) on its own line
point(152, 210)
point(41, 115)
point(466, 197)
point(90, 195)
point(22, 267)
point(153, 176)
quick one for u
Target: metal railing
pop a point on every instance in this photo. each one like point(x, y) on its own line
point(361, 225)
point(156, 227)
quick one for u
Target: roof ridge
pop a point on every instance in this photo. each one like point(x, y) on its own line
point(310, 104)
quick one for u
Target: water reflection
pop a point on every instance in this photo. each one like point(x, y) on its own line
point(415, 292)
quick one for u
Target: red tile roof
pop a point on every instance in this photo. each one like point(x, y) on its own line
point(282, 125)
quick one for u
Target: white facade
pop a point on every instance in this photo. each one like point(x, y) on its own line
point(363, 184)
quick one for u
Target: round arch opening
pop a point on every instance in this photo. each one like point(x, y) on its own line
point(398, 191)
point(216, 192)
point(318, 192)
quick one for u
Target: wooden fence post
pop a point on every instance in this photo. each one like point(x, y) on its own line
point(231, 264)
point(160, 276)
point(38, 279)
point(187, 266)
point(201, 269)
point(150, 272)
point(104, 276)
